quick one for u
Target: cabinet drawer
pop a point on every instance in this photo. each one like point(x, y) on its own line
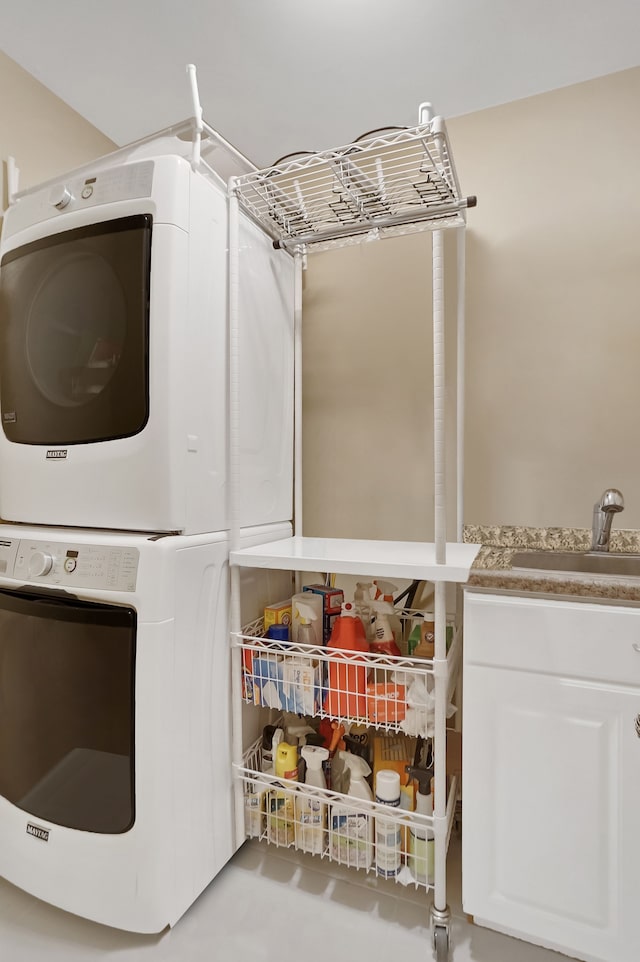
point(568, 638)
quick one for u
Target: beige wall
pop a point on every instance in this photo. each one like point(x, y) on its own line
point(553, 345)
point(43, 134)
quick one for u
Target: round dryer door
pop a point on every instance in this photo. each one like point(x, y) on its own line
point(74, 362)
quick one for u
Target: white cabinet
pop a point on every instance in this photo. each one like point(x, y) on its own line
point(551, 772)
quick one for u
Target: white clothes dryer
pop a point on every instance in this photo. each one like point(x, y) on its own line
point(115, 742)
point(114, 352)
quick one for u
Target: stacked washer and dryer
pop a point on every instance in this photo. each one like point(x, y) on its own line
point(116, 798)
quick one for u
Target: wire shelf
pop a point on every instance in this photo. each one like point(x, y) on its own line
point(393, 183)
point(391, 693)
point(339, 827)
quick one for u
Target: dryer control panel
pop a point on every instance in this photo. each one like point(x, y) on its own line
point(70, 565)
point(108, 186)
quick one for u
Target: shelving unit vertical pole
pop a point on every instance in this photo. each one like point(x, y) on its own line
point(233, 487)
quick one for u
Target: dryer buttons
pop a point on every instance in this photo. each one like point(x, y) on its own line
point(70, 565)
point(87, 192)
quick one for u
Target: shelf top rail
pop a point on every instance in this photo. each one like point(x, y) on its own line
point(397, 181)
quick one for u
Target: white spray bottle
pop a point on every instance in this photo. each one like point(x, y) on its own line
point(362, 598)
point(311, 810)
point(350, 830)
point(384, 592)
point(307, 633)
point(383, 641)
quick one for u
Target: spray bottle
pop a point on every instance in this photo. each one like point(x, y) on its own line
point(306, 623)
point(311, 810)
point(306, 614)
point(362, 597)
point(383, 641)
point(384, 592)
point(421, 839)
point(347, 694)
point(350, 830)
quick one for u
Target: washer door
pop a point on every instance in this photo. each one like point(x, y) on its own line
point(67, 673)
point(74, 309)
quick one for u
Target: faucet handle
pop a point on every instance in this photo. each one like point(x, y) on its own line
point(611, 500)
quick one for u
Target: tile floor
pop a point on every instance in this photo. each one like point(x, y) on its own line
point(268, 906)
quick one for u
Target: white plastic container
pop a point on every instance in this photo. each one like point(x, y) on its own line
point(350, 830)
point(311, 811)
point(306, 618)
point(388, 837)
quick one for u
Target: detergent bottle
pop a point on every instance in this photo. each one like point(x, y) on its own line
point(383, 641)
point(347, 693)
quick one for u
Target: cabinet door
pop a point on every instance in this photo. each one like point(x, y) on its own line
point(551, 775)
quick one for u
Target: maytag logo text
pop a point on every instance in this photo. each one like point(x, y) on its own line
point(37, 832)
point(55, 454)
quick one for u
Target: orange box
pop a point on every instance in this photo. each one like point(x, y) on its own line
point(386, 702)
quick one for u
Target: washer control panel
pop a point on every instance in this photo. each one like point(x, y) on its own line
point(70, 565)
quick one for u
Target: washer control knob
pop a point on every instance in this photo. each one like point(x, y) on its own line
point(60, 197)
point(40, 563)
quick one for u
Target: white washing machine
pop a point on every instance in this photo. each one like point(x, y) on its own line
point(115, 743)
point(114, 352)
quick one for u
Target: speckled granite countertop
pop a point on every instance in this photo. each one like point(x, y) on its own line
point(492, 566)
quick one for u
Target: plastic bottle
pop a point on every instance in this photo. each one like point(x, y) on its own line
point(306, 624)
point(384, 592)
point(388, 837)
point(350, 830)
point(306, 614)
point(362, 601)
point(271, 738)
point(311, 812)
point(421, 859)
point(347, 694)
point(280, 804)
point(383, 641)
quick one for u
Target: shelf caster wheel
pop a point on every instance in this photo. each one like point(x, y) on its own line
point(441, 943)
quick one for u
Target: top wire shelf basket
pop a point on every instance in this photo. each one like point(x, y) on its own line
point(396, 182)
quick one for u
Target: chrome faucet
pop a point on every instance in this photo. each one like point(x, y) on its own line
point(603, 511)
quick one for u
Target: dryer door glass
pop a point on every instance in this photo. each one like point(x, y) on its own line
point(74, 309)
point(67, 672)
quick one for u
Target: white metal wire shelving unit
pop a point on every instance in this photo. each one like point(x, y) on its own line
point(392, 182)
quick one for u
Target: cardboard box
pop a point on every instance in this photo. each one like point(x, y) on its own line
point(277, 614)
point(332, 598)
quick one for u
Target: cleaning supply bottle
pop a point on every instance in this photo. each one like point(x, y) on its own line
point(362, 597)
point(388, 839)
point(347, 693)
point(271, 738)
point(306, 615)
point(306, 622)
point(280, 803)
point(311, 811)
point(383, 641)
point(384, 592)
point(350, 829)
point(421, 859)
